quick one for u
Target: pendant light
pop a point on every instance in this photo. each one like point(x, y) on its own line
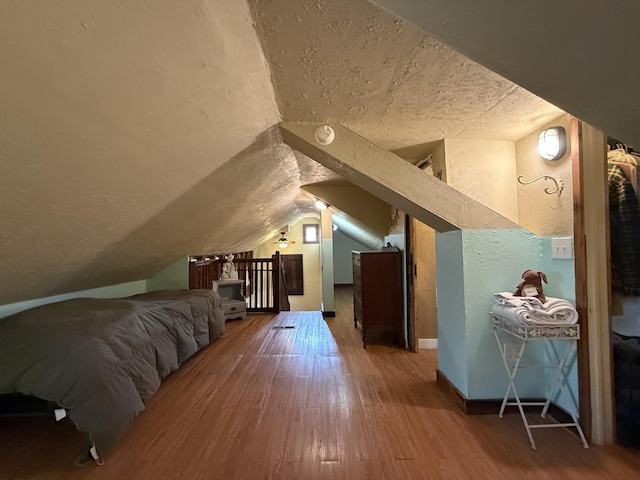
point(282, 241)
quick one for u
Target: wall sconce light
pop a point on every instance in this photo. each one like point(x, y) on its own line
point(324, 135)
point(320, 205)
point(552, 143)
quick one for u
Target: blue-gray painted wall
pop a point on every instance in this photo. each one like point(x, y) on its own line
point(471, 266)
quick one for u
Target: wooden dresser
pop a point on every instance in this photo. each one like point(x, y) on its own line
point(377, 293)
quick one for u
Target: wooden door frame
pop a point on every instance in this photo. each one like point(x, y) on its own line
point(592, 284)
point(410, 269)
point(580, 268)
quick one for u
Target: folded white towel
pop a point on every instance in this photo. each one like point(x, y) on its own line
point(563, 313)
point(526, 316)
point(513, 314)
point(530, 310)
point(507, 298)
point(552, 302)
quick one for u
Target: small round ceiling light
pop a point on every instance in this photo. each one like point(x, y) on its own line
point(552, 143)
point(324, 135)
point(320, 205)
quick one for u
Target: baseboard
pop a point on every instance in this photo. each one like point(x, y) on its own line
point(492, 406)
point(450, 389)
point(328, 314)
point(427, 343)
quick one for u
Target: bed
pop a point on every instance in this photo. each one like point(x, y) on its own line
point(102, 359)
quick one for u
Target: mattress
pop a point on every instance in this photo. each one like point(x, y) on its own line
point(101, 359)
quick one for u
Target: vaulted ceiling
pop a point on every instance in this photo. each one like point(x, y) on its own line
point(135, 133)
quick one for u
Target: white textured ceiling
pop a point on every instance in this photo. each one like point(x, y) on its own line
point(384, 78)
point(580, 56)
point(135, 133)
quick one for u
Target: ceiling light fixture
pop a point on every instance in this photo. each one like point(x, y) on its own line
point(282, 241)
point(320, 205)
point(552, 143)
point(324, 135)
point(425, 162)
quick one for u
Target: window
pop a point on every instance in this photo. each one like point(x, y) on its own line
point(310, 234)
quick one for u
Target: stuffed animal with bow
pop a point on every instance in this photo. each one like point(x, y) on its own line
point(531, 286)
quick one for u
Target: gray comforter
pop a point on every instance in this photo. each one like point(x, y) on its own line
point(101, 359)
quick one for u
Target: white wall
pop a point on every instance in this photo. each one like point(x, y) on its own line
point(113, 291)
point(485, 171)
point(539, 212)
point(312, 298)
point(174, 277)
point(342, 248)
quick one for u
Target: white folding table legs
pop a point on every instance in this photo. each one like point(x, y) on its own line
point(558, 386)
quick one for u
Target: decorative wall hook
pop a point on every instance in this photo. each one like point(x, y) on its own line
point(558, 184)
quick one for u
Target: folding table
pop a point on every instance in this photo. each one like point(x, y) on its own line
point(525, 334)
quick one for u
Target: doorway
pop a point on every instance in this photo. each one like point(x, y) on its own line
point(422, 312)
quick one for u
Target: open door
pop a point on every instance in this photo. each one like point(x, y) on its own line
point(412, 337)
point(421, 280)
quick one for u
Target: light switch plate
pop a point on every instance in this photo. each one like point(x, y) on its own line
point(562, 247)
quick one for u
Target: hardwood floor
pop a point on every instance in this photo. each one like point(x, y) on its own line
point(308, 403)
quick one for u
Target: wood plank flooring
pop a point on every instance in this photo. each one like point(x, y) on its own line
point(308, 403)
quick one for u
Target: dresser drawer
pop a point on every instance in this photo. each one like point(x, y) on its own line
point(357, 278)
point(357, 308)
point(232, 306)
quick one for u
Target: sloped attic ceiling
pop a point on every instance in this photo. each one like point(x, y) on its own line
point(137, 133)
point(132, 134)
point(385, 79)
point(580, 56)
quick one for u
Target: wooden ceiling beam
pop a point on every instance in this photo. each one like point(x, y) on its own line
point(393, 179)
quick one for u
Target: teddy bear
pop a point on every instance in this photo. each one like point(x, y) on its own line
point(531, 286)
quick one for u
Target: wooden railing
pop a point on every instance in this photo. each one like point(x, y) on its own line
point(265, 289)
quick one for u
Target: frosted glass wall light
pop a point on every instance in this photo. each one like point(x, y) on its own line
point(552, 143)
